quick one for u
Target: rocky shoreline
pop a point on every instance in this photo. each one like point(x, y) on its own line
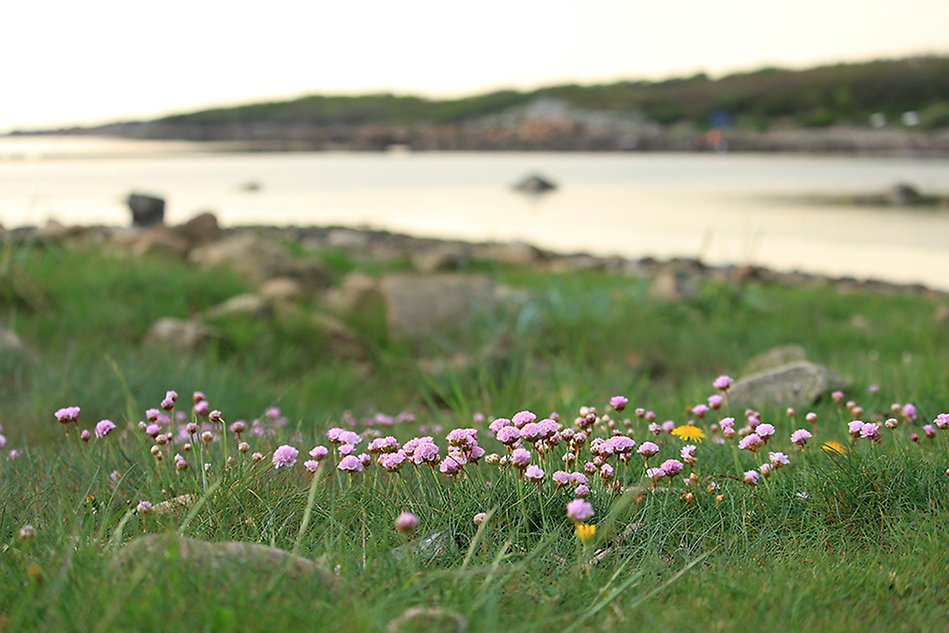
point(202, 240)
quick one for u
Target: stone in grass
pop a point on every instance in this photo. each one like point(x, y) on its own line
point(775, 357)
point(179, 334)
point(427, 549)
point(428, 619)
point(418, 306)
point(216, 558)
point(249, 305)
point(800, 383)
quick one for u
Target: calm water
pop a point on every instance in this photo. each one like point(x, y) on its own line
point(724, 208)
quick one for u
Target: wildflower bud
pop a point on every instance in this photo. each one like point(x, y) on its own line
point(191, 428)
point(243, 447)
point(598, 461)
point(238, 427)
point(230, 460)
point(143, 508)
point(765, 470)
point(891, 423)
point(207, 437)
point(156, 451)
point(197, 397)
point(142, 425)
point(569, 458)
point(811, 418)
point(914, 437)
point(256, 457)
point(181, 464)
point(688, 498)
point(791, 412)
point(27, 532)
point(406, 522)
point(857, 413)
point(85, 435)
point(896, 408)
point(693, 477)
point(207, 468)
point(161, 439)
point(650, 416)
point(719, 499)
point(638, 500)
point(215, 417)
point(479, 518)
point(640, 412)
point(186, 447)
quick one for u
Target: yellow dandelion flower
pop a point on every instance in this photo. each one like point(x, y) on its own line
point(689, 433)
point(834, 447)
point(585, 532)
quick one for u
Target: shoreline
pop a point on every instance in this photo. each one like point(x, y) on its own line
point(676, 277)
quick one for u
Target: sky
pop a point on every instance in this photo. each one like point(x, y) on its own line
point(66, 62)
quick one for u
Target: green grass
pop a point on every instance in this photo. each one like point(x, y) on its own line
point(865, 551)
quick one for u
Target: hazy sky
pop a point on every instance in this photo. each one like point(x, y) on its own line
point(68, 61)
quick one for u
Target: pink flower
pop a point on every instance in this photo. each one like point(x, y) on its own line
point(104, 427)
point(392, 461)
point(870, 431)
point(723, 382)
point(285, 456)
point(929, 430)
point(85, 435)
point(319, 453)
point(215, 416)
point(498, 424)
point(765, 431)
point(765, 469)
point(523, 417)
point(201, 408)
point(715, 402)
point(647, 449)
point(752, 477)
point(520, 458)
point(451, 465)
point(671, 467)
point(942, 421)
point(838, 396)
point(579, 511)
point(311, 465)
point(699, 410)
point(606, 472)
point(778, 459)
point(406, 522)
point(800, 437)
point(152, 430)
point(508, 435)
point(582, 491)
point(67, 415)
point(854, 427)
point(909, 411)
point(751, 442)
point(479, 518)
point(426, 453)
point(351, 464)
point(534, 473)
point(143, 508)
point(619, 402)
point(688, 454)
point(655, 474)
point(152, 415)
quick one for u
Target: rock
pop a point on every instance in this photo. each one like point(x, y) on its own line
point(153, 240)
point(942, 314)
point(200, 230)
point(54, 231)
point(419, 305)
point(181, 502)
point(262, 259)
point(247, 559)
point(347, 239)
point(427, 549)
point(146, 210)
point(282, 289)
point(358, 293)
point(342, 341)
point(775, 357)
point(800, 383)
point(428, 619)
point(511, 253)
point(12, 345)
point(179, 334)
point(576, 264)
point(672, 285)
point(535, 183)
point(442, 258)
point(903, 194)
point(249, 305)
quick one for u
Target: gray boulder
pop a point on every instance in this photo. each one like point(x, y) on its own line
point(358, 293)
point(428, 619)
point(418, 306)
point(249, 305)
point(200, 230)
point(775, 357)
point(179, 334)
point(146, 210)
point(799, 384)
point(247, 559)
point(153, 240)
point(282, 289)
point(673, 285)
point(535, 183)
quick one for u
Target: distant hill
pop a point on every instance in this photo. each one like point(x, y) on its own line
point(622, 115)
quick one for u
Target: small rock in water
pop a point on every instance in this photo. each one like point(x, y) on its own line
point(146, 210)
point(535, 183)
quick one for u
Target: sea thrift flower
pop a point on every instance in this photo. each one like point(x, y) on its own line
point(152, 415)
point(870, 431)
point(256, 456)
point(215, 417)
point(800, 437)
point(350, 464)
point(508, 435)
point(451, 465)
point(655, 474)
point(534, 473)
point(311, 465)
point(67, 415)
point(345, 449)
point(104, 427)
point(765, 431)
point(838, 396)
point(523, 417)
point(520, 458)
point(942, 421)
point(426, 453)
point(319, 453)
point(723, 382)
point(715, 402)
point(579, 511)
point(152, 430)
point(752, 477)
point(582, 491)
point(909, 411)
point(406, 522)
point(144, 508)
point(765, 469)
point(243, 447)
point(671, 467)
point(654, 428)
point(699, 410)
point(778, 459)
point(728, 427)
point(811, 418)
point(618, 402)
point(285, 456)
point(929, 430)
point(854, 427)
point(498, 424)
point(647, 449)
point(606, 472)
point(202, 408)
point(914, 437)
point(27, 532)
point(479, 518)
point(85, 435)
point(668, 426)
point(874, 389)
point(891, 423)
point(688, 454)
point(392, 461)
point(238, 427)
point(207, 437)
point(751, 442)
point(198, 396)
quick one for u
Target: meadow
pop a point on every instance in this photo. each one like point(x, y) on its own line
point(555, 490)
